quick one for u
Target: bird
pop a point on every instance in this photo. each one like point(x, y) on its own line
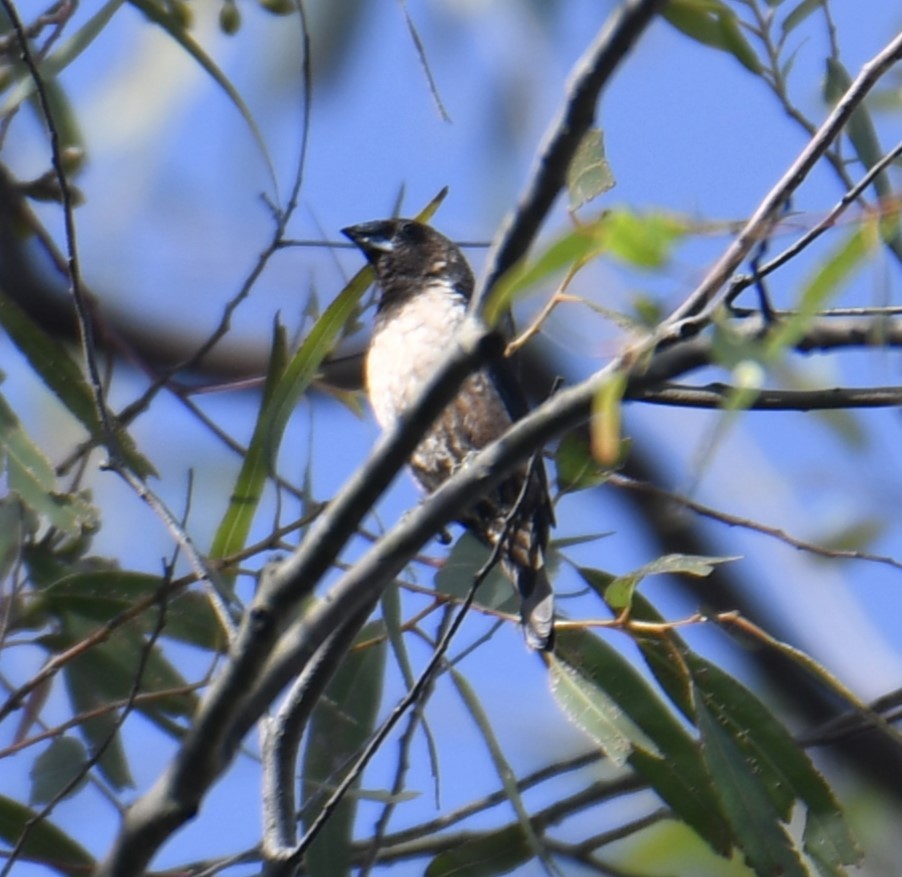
point(425, 286)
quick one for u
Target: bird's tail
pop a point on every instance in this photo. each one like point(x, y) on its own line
point(536, 606)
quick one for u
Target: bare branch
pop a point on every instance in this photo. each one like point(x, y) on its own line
point(693, 311)
point(717, 395)
point(741, 283)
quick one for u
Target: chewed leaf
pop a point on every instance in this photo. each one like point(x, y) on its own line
point(589, 174)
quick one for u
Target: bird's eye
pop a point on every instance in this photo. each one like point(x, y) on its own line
point(412, 232)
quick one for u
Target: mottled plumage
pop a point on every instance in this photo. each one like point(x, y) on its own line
point(426, 284)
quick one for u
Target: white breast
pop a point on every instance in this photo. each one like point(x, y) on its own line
point(407, 348)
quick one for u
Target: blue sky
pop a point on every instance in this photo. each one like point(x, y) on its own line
point(173, 220)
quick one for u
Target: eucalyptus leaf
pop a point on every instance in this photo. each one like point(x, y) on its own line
point(589, 174)
point(56, 767)
point(46, 843)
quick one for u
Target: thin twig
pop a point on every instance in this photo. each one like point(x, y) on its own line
point(694, 311)
point(827, 222)
point(731, 520)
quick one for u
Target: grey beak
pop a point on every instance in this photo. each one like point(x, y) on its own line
point(371, 237)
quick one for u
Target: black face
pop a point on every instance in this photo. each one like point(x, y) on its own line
point(407, 254)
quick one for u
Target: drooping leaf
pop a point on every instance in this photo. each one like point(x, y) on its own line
point(606, 696)
point(830, 274)
point(57, 766)
point(758, 826)
point(105, 675)
point(15, 522)
point(30, 474)
point(748, 738)
point(797, 15)
point(713, 24)
point(58, 371)
point(172, 24)
point(66, 52)
point(46, 843)
point(782, 768)
point(861, 131)
point(502, 766)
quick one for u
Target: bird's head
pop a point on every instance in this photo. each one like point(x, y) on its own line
point(408, 255)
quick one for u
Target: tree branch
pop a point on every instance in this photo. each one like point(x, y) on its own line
point(717, 395)
point(693, 312)
point(589, 76)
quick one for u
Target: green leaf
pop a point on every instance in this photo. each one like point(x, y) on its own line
point(484, 855)
point(589, 174)
point(782, 770)
point(286, 386)
point(781, 766)
point(102, 593)
point(798, 15)
point(568, 251)
point(455, 577)
point(15, 523)
point(32, 477)
point(583, 672)
point(713, 24)
point(62, 376)
point(860, 129)
point(619, 593)
point(104, 675)
point(575, 466)
point(57, 766)
point(46, 843)
point(826, 281)
point(756, 823)
point(604, 427)
point(257, 465)
point(618, 708)
point(341, 723)
point(645, 241)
